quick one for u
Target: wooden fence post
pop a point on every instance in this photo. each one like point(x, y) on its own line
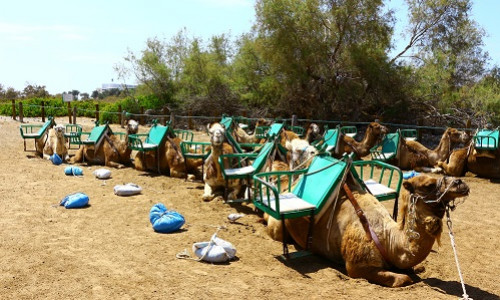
point(124, 118)
point(172, 119)
point(97, 112)
point(142, 116)
point(43, 111)
point(13, 109)
point(120, 115)
point(163, 119)
point(190, 120)
point(21, 117)
point(74, 114)
point(69, 112)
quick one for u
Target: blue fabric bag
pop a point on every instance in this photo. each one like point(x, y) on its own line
point(56, 159)
point(164, 220)
point(75, 200)
point(75, 171)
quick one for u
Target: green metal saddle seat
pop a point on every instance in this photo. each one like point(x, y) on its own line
point(236, 165)
point(35, 131)
point(388, 148)
point(350, 131)
point(329, 141)
point(317, 187)
point(486, 140)
point(153, 141)
point(409, 134)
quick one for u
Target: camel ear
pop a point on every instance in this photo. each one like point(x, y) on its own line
point(407, 185)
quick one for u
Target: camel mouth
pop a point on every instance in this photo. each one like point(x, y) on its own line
point(452, 188)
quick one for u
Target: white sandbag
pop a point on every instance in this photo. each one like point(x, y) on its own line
point(217, 250)
point(128, 189)
point(102, 173)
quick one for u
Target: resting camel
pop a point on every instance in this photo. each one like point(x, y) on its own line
point(300, 152)
point(113, 152)
point(414, 155)
point(175, 160)
point(56, 143)
point(212, 173)
point(407, 242)
point(374, 133)
point(468, 159)
point(313, 133)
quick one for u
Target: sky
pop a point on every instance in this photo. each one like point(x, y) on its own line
point(74, 45)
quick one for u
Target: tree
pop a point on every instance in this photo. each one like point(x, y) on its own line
point(327, 57)
point(85, 96)
point(35, 91)
point(445, 52)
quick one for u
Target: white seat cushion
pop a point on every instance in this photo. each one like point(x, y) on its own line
point(240, 171)
point(384, 155)
point(30, 135)
point(377, 188)
point(288, 203)
point(148, 146)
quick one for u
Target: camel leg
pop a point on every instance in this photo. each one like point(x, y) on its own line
point(113, 164)
point(377, 275)
point(208, 194)
point(78, 156)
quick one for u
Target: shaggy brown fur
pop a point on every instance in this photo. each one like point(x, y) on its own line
point(345, 240)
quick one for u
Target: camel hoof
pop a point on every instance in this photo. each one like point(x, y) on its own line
point(437, 170)
point(419, 269)
point(402, 280)
point(208, 198)
point(191, 177)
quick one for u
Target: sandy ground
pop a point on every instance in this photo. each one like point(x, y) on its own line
point(110, 251)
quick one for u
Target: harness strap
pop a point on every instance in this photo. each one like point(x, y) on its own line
point(370, 234)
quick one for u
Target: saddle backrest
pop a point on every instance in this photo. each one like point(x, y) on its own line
point(320, 180)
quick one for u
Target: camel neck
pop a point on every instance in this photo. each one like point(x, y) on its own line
point(409, 242)
point(444, 146)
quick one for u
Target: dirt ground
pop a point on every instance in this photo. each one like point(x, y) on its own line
point(110, 251)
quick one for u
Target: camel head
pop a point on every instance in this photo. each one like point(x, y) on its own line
point(216, 132)
point(457, 136)
point(376, 129)
point(315, 131)
point(301, 151)
point(59, 130)
point(435, 193)
point(132, 126)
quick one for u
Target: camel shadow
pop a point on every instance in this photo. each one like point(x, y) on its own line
point(454, 288)
point(308, 264)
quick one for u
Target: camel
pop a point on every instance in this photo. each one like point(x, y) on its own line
point(175, 160)
point(374, 133)
point(212, 175)
point(468, 159)
point(112, 153)
point(413, 155)
point(56, 143)
point(407, 242)
point(243, 137)
point(300, 151)
point(313, 133)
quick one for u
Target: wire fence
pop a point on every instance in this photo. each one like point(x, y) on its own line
point(200, 122)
